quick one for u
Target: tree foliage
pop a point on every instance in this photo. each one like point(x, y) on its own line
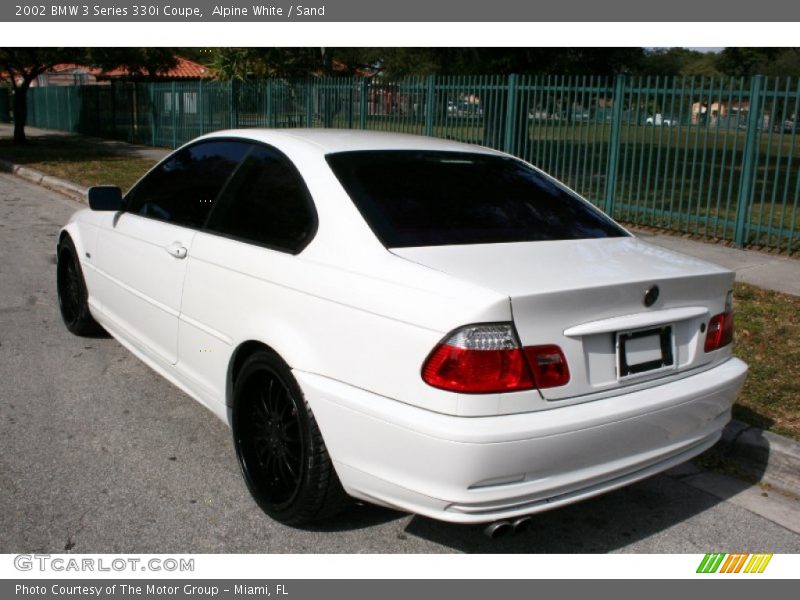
point(535, 61)
point(21, 67)
point(244, 63)
point(744, 62)
point(679, 61)
point(138, 62)
point(254, 63)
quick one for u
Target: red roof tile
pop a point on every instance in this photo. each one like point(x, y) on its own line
point(62, 67)
point(184, 69)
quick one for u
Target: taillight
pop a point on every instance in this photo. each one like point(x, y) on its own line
point(479, 359)
point(720, 327)
point(548, 365)
point(483, 359)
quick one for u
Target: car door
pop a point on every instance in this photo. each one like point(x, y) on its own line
point(261, 220)
point(141, 255)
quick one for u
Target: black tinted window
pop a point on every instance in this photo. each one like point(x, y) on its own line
point(266, 202)
point(414, 198)
point(183, 189)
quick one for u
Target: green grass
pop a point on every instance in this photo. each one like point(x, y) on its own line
point(73, 159)
point(768, 339)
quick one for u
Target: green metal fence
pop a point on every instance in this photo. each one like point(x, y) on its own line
point(709, 156)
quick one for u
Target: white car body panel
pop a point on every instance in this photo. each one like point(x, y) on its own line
point(556, 286)
point(139, 284)
point(355, 322)
point(480, 469)
point(354, 315)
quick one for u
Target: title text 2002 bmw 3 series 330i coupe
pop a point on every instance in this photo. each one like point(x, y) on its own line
point(413, 322)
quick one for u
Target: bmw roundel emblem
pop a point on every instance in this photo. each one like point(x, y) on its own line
point(650, 296)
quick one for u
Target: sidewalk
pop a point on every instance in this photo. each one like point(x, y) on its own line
point(776, 273)
point(134, 150)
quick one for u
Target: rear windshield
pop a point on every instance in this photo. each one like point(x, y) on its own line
point(424, 198)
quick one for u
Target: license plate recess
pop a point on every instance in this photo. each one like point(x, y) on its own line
point(645, 351)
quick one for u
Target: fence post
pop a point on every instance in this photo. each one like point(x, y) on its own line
point(97, 115)
point(613, 144)
point(134, 128)
point(47, 108)
point(430, 104)
point(208, 104)
point(350, 102)
point(749, 161)
point(511, 115)
point(309, 103)
point(233, 103)
point(270, 107)
point(199, 108)
point(173, 112)
point(70, 120)
point(363, 108)
point(113, 110)
point(153, 111)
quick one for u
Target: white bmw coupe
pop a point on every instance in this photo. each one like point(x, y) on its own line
point(417, 323)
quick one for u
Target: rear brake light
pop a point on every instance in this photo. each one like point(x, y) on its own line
point(483, 359)
point(720, 331)
point(720, 327)
point(479, 359)
point(548, 365)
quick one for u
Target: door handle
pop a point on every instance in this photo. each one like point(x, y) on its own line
point(177, 250)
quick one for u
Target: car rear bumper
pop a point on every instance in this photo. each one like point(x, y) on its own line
point(479, 469)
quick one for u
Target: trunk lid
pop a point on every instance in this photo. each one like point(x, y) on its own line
point(588, 297)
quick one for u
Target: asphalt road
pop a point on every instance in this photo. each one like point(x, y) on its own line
point(98, 454)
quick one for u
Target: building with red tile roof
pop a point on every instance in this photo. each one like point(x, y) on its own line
point(74, 74)
point(184, 69)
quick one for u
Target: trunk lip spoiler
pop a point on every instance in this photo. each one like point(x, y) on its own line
point(637, 321)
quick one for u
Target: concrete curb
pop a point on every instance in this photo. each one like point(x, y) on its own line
point(771, 458)
point(66, 188)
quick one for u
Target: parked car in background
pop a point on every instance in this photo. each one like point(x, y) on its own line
point(581, 116)
point(659, 120)
point(465, 109)
point(422, 324)
point(540, 115)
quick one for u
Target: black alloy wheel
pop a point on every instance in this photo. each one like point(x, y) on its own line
point(72, 294)
point(279, 446)
point(272, 441)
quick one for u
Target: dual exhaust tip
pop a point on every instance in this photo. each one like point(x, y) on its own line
point(500, 529)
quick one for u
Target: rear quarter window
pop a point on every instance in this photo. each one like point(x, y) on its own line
point(266, 202)
point(423, 198)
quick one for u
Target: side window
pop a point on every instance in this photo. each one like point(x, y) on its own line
point(183, 189)
point(266, 202)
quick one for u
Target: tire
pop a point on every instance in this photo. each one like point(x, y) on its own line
point(279, 446)
point(72, 294)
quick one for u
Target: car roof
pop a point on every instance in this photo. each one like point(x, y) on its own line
point(327, 141)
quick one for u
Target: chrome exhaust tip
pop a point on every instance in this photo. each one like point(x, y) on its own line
point(498, 529)
point(522, 524)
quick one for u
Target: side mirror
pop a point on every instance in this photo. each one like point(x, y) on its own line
point(105, 197)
